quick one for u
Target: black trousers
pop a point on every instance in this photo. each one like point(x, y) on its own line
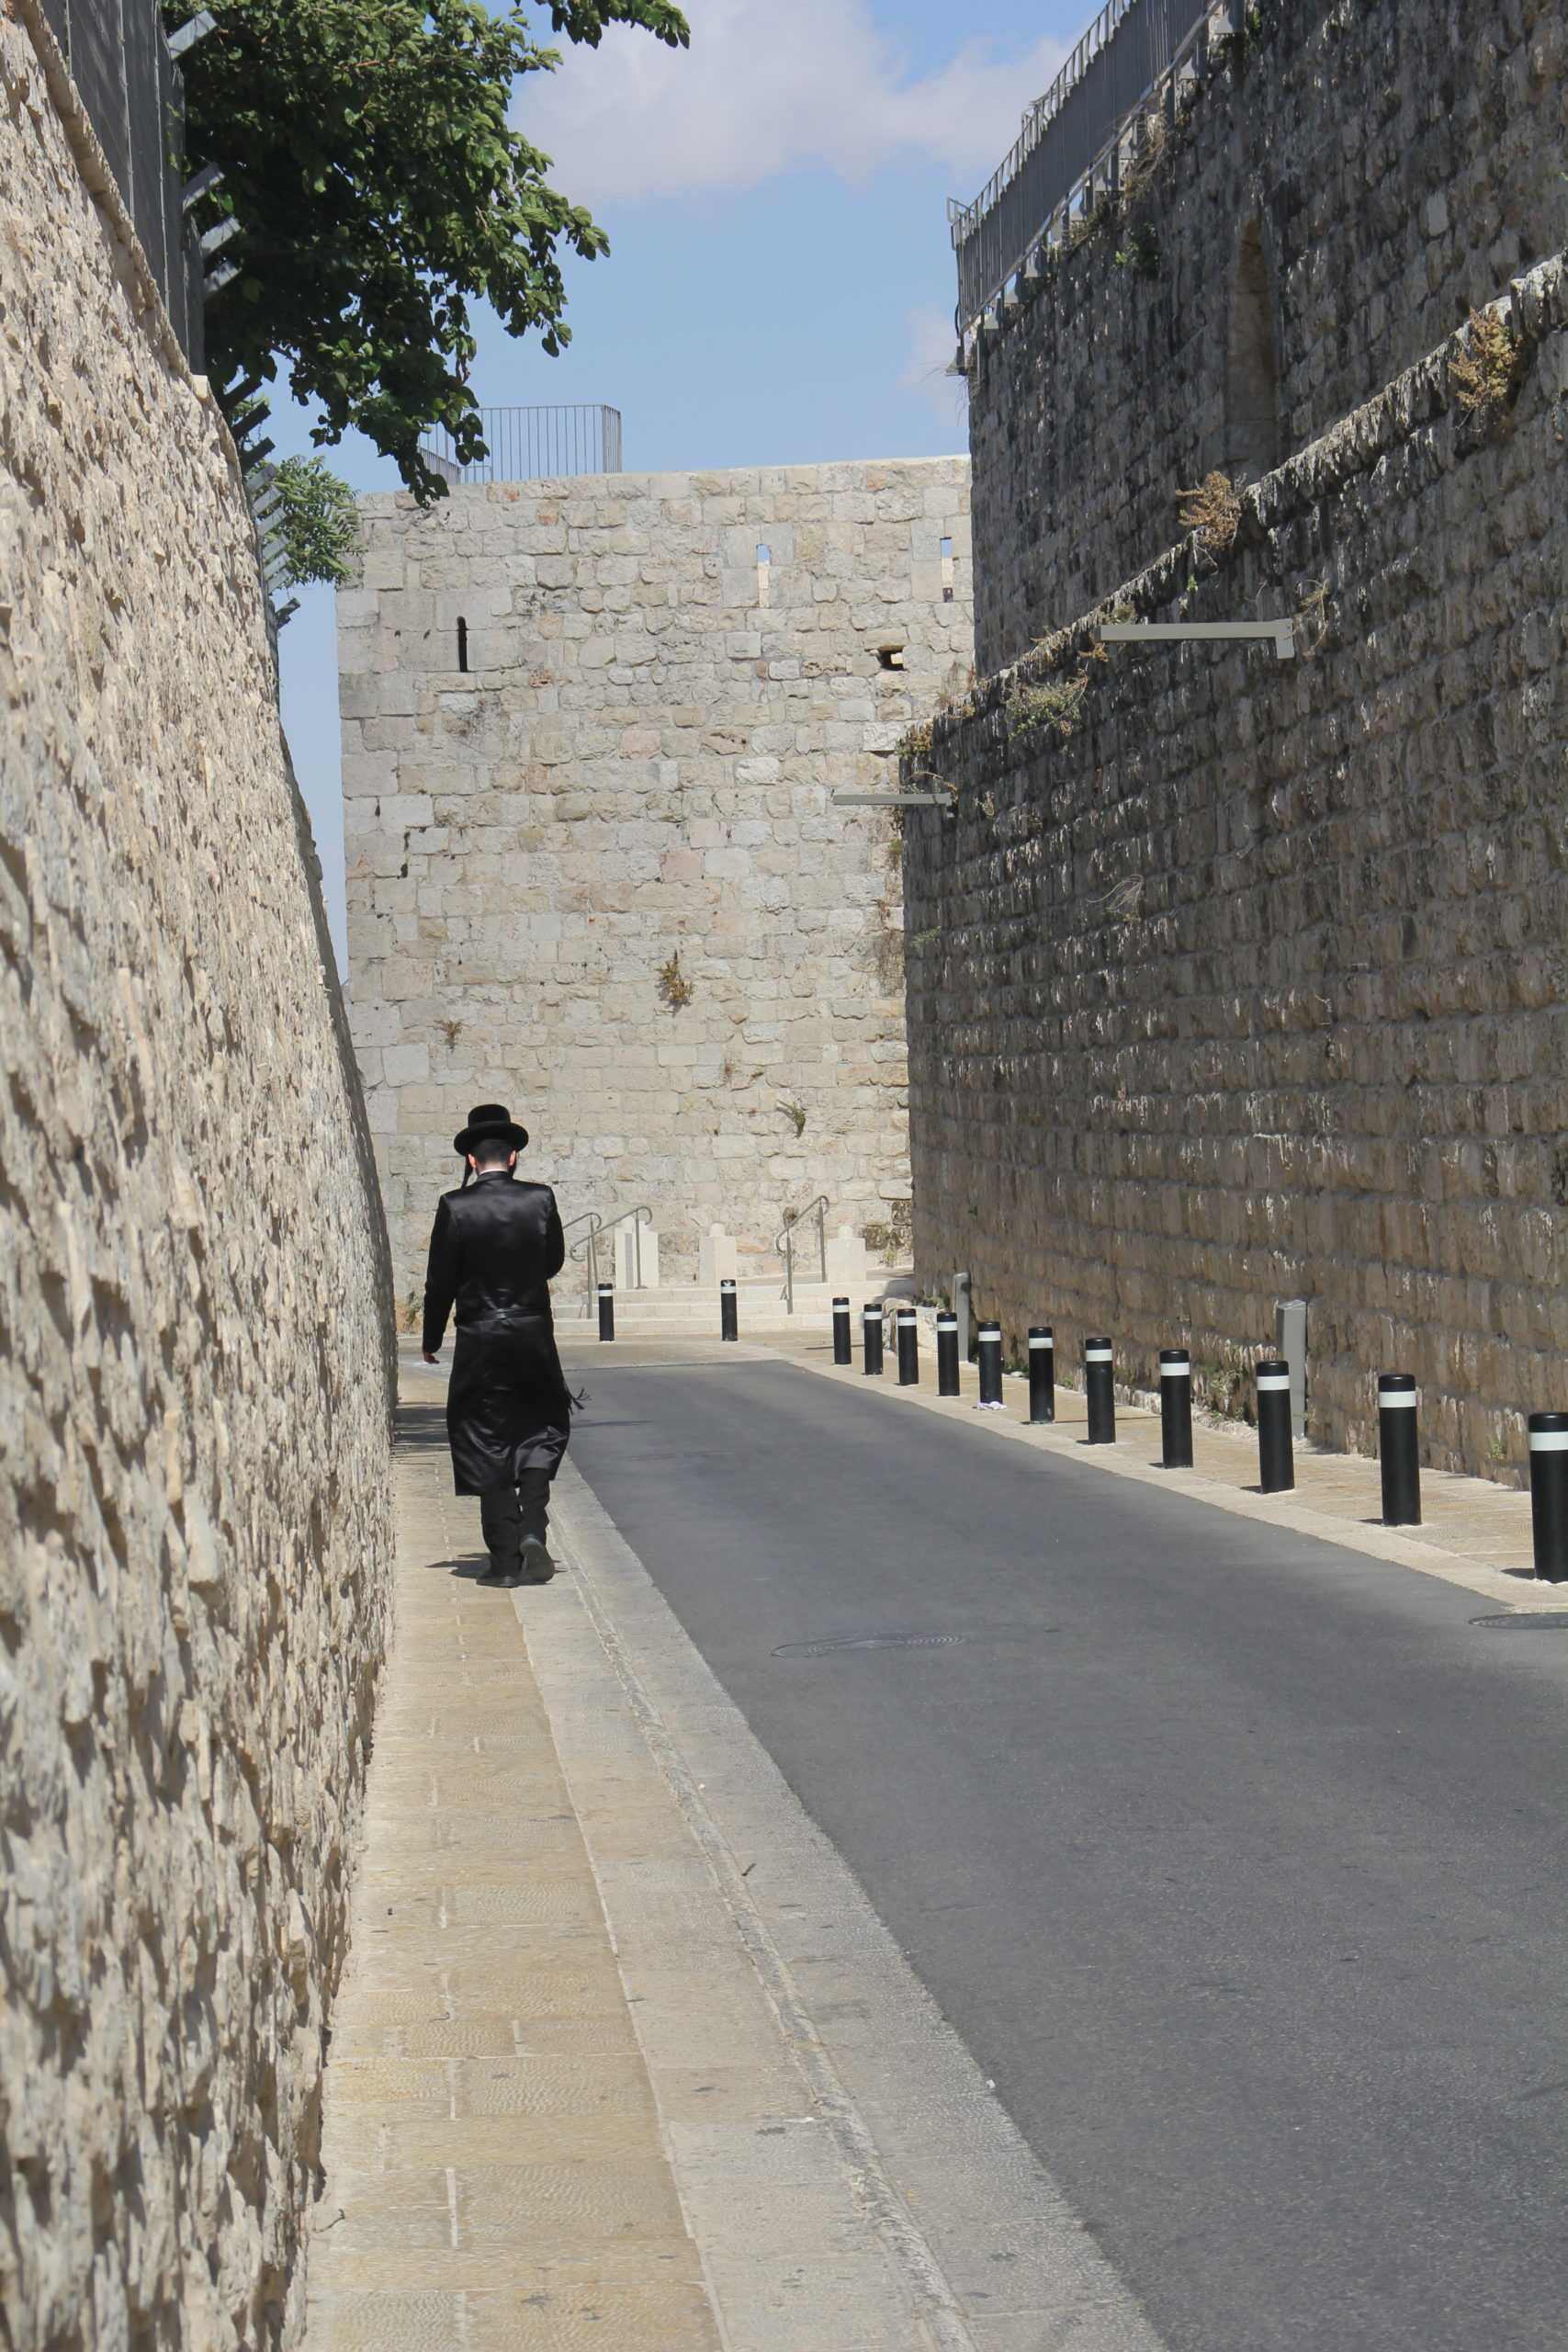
point(508, 1514)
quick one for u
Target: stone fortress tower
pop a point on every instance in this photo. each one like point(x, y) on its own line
point(592, 732)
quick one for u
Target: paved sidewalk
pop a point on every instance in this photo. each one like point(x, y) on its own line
point(496, 2174)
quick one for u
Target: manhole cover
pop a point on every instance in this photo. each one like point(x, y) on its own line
point(871, 1642)
point(1528, 1621)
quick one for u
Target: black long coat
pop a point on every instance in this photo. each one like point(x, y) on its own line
point(493, 1252)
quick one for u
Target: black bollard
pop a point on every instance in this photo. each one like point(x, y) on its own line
point(1399, 1454)
point(729, 1313)
point(1042, 1372)
point(1175, 1409)
point(988, 1341)
point(1549, 1495)
point(947, 1355)
point(607, 1310)
point(870, 1334)
point(842, 1351)
point(1100, 1389)
point(1276, 1463)
point(909, 1334)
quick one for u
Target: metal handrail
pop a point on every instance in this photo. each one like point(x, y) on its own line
point(642, 1214)
point(595, 1223)
point(785, 1241)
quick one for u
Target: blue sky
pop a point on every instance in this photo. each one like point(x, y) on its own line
point(780, 286)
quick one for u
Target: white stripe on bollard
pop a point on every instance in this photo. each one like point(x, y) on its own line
point(1273, 1380)
point(1097, 1355)
point(1176, 1369)
point(1396, 1400)
point(1549, 1441)
point(1037, 1340)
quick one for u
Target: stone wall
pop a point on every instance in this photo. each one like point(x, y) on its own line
point(195, 1373)
point(1233, 979)
point(626, 795)
point(1337, 197)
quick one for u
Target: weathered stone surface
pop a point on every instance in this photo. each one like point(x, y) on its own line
point(195, 1366)
point(1254, 985)
point(638, 765)
point(1357, 178)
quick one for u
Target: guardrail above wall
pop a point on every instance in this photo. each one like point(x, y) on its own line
point(1129, 60)
point(131, 89)
point(528, 443)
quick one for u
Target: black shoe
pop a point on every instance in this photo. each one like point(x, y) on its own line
point(506, 1577)
point(537, 1564)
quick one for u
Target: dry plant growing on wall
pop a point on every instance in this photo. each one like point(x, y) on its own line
point(890, 1239)
point(1213, 511)
point(673, 985)
point(1053, 707)
point(1485, 373)
point(451, 1031)
point(1311, 618)
point(1145, 162)
point(1124, 900)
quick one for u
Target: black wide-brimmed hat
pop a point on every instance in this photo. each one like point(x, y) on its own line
point(491, 1123)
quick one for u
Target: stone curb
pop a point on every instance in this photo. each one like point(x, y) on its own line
point(861, 2188)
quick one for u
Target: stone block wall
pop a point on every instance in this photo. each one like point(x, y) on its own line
point(1344, 189)
point(1234, 979)
point(592, 729)
point(196, 1367)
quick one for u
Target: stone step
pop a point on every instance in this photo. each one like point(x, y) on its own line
point(687, 1302)
point(647, 1310)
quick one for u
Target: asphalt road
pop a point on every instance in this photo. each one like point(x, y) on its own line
point(1236, 1859)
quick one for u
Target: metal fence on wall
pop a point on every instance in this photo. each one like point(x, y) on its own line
point(132, 91)
point(526, 444)
point(1132, 48)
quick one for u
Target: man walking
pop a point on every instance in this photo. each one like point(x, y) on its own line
point(495, 1245)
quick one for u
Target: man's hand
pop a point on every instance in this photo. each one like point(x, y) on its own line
point(429, 1358)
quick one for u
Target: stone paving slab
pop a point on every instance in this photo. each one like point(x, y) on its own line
point(496, 2169)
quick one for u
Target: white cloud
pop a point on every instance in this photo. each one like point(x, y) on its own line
point(767, 88)
point(932, 340)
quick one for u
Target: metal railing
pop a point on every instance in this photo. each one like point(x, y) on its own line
point(534, 444)
point(133, 95)
point(816, 1211)
point(1133, 51)
point(586, 1251)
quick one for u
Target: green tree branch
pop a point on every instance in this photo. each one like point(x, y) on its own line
point(367, 156)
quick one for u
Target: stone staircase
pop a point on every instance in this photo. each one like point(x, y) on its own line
point(690, 1310)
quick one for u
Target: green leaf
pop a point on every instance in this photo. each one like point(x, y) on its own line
point(315, 519)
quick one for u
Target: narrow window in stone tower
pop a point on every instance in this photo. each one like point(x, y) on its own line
point(462, 643)
point(764, 567)
point(1252, 375)
point(891, 656)
point(947, 571)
